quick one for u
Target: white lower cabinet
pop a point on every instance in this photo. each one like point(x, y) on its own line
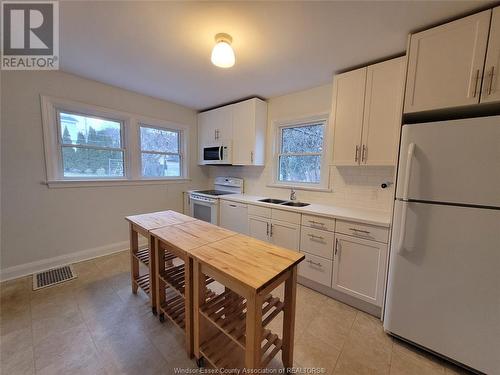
point(258, 227)
point(285, 234)
point(316, 268)
point(359, 268)
point(351, 260)
point(277, 232)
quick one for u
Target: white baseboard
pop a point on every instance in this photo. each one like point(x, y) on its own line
point(21, 270)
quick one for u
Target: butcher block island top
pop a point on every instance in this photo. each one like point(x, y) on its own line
point(190, 235)
point(247, 260)
point(158, 219)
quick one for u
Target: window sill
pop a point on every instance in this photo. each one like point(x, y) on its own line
point(58, 184)
point(301, 187)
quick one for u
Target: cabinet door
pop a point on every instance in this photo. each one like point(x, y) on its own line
point(359, 268)
point(206, 132)
point(491, 82)
point(347, 115)
point(223, 123)
point(445, 64)
point(234, 216)
point(382, 113)
point(258, 228)
point(244, 132)
point(284, 234)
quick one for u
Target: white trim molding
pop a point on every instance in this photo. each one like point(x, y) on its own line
point(131, 123)
point(26, 269)
point(277, 125)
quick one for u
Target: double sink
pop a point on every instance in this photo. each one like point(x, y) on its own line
point(284, 203)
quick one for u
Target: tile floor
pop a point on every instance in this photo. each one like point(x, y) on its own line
point(95, 325)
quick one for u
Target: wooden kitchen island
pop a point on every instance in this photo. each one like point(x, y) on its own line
point(226, 324)
point(230, 327)
point(142, 225)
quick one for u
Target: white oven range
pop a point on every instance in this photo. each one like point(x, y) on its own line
point(205, 203)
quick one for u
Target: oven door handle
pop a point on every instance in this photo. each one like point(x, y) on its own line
point(195, 199)
point(220, 153)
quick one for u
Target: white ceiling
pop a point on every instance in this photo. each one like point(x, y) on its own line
point(163, 49)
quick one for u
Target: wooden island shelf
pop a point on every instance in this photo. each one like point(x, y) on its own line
point(142, 225)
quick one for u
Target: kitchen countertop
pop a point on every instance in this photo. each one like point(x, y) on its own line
point(373, 217)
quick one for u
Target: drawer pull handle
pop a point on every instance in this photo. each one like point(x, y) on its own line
point(316, 222)
point(316, 237)
point(360, 231)
point(316, 264)
point(232, 205)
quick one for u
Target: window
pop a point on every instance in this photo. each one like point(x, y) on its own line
point(90, 146)
point(300, 157)
point(160, 152)
point(87, 145)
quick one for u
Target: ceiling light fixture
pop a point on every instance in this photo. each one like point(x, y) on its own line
point(223, 54)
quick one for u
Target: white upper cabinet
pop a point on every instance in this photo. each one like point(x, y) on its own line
point(445, 64)
point(382, 113)
point(366, 113)
point(243, 125)
point(491, 82)
point(249, 132)
point(347, 110)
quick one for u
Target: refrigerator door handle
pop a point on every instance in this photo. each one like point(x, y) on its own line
point(406, 187)
point(409, 160)
point(402, 228)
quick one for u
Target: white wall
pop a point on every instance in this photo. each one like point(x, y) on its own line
point(40, 223)
point(352, 186)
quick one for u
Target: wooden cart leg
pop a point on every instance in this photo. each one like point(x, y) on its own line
point(289, 318)
point(134, 263)
point(188, 313)
point(152, 274)
point(199, 290)
point(159, 255)
point(253, 332)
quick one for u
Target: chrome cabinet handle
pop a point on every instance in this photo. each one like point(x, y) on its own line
point(356, 154)
point(475, 83)
point(336, 246)
point(316, 264)
point(359, 230)
point(267, 229)
point(491, 74)
point(363, 154)
point(251, 156)
point(232, 205)
point(315, 236)
point(271, 230)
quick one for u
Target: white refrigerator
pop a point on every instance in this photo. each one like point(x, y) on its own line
point(443, 289)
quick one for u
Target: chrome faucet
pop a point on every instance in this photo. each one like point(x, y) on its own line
point(293, 195)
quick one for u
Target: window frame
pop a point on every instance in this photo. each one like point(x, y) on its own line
point(179, 147)
point(130, 128)
point(60, 143)
point(279, 125)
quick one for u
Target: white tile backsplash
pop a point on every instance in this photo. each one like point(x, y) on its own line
point(357, 187)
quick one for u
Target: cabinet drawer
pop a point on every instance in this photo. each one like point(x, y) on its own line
point(317, 242)
point(369, 232)
point(318, 222)
point(316, 269)
point(289, 217)
point(259, 211)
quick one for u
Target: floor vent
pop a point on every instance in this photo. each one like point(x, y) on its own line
point(52, 277)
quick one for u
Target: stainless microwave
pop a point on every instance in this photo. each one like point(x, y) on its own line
point(217, 154)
